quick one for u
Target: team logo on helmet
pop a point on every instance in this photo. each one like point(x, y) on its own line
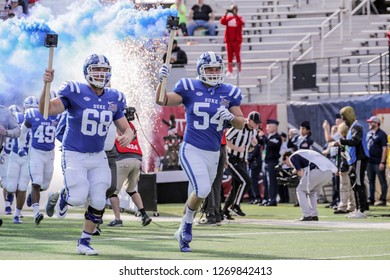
point(97, 70)
point(210, 60)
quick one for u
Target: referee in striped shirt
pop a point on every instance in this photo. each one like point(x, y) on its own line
point(238, 143)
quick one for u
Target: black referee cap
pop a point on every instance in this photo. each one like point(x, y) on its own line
point(254, 116)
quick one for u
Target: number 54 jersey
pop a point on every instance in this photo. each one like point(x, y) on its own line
point(89, 116)
point(204, 126)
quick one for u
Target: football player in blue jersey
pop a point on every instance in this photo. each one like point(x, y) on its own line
point(209, 104)
point(9, 128)
point(41, 155)
point(18, 178)
point(7, 145)
point(91, 107)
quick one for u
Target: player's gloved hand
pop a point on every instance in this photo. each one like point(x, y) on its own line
point(163, 72)
point(22, 152)
point(226, 115)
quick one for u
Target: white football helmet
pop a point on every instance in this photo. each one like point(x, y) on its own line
point(14, 109)
point(210, 60)
point(31, 102)
point(97, 78)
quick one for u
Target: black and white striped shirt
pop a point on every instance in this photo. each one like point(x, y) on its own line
point(240, 137)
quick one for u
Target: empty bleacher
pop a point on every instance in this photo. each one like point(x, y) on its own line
point(292, 31)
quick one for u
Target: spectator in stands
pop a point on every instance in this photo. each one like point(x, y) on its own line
point(201, 15)
point(377, 148)
point(233, 37)
point(182, 12)
point(178, 56)
point(16, 9)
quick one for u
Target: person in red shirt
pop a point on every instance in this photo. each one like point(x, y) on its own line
point(233, 37)
point(128, 164)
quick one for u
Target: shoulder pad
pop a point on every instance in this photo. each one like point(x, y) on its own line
point(72, 86)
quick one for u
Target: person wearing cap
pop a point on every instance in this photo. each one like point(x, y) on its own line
point(303, 140)
point(376, 167)
point(238, 142)
point(271, 154)
point(255, 163)
point(357, 160)
point(178, 56)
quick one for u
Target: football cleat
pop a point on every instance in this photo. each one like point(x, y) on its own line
point(61, 206)
point(17, 220)
point(184, 246)
point(84, 248)
point(186, 232)
point(51, 203)
point(38, 218)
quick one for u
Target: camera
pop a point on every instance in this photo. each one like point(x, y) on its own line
point(285, 178)
point(129, 113)
point(229, 11)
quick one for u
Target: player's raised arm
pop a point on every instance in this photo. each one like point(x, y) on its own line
point(55, 105)
point(162, 97)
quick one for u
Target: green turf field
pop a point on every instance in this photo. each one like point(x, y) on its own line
point(266, 233)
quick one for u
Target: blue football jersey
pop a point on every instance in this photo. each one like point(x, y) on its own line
point(204, 126)
point(89, 116)
point(43, 131)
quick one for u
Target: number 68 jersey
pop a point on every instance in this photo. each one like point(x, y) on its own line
point(89, 116)
point(204, 126)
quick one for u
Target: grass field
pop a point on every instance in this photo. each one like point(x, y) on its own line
point(266, 233)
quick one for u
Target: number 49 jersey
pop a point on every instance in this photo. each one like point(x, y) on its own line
point(89, 116)
point(204, 126)
point(42, 131)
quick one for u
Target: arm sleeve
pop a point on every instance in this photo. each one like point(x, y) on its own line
point(13, 129)
point(22, 137)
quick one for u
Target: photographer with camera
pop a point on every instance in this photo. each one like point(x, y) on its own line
point(314, 170)
point(233, 37)
point(128, 166)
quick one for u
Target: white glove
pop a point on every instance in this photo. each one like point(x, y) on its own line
point(163, 72)
point(226, 115)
